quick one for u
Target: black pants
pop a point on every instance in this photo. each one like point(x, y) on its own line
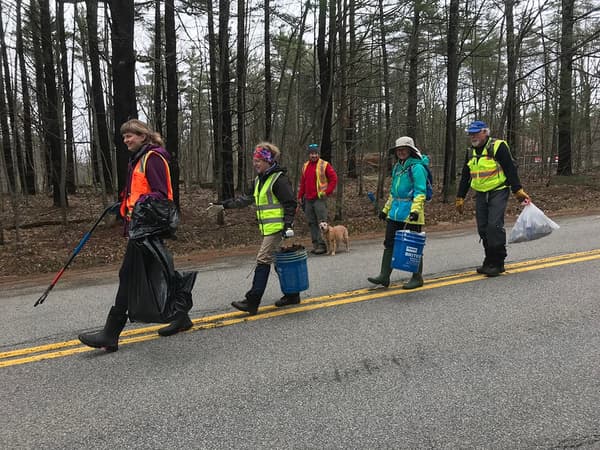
point(392, 226)
point(490, 208)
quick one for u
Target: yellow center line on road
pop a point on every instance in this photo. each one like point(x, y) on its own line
point(67, 348)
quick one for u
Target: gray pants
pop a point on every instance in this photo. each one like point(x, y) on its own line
point(490, 208)
point(316, 212)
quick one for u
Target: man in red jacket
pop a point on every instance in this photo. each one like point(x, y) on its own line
point(318, 182)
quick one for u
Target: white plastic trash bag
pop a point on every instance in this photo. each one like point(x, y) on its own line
point(531, 224)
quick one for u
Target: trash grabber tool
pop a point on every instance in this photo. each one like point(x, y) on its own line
point(82, 242)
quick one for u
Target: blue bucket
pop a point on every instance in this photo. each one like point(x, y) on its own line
point(292, 270)
point(408, 250)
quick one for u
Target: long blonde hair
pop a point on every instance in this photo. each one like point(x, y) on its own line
point(142, 129)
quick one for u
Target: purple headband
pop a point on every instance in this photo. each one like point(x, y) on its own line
point(263, 153)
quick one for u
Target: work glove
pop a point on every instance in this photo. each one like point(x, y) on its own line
point(522, 196)
point(382, 215)
point(413, 216)
point(287, 232)
point(216, 205)
point(459, 204)
point(115, 208)
point(321, 194)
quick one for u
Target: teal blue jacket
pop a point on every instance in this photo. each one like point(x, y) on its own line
point(407, 194)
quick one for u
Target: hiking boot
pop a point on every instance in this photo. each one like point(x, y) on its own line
point(246, 306)
point(484, 267)
point(319, 250)
point(492, 270)
point(288, 299)
point(182, 322)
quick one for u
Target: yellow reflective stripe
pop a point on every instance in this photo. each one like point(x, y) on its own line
point(267, 207)
point(486, 174)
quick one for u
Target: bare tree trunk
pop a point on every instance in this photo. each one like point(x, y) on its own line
point(216, 105)
point(29, 166)
point(512, 111)
point(51, 130)
point(342, 114)
point(67, 100)
point(326, 65)
point(5, 101)
point(95, 170)
point(566, 95)
point(241, 63)
point(123, 66)
point(383, 155)
point(158, 78)
point(226, 187)
point(172, 96)
point(350, 131)
point(103, 153)
point(413, 67)
point(268, 83)
point(40, 88)
point(452, 87)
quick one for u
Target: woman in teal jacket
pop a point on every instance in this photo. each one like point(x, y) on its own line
point(405, 206)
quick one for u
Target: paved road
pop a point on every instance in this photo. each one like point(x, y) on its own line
point(465, 362)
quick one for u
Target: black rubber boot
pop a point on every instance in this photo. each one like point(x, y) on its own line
point(417, 278)
point(182, 322)
point(254, 295)
point(288, 299)
point(486, 261)
point(108, 338)
point(386, 269)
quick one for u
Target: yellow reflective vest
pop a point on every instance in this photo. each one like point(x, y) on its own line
point(269, 211)
point(322, 181)
point(486, 174)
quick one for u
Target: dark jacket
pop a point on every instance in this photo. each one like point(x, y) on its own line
point(282, 189)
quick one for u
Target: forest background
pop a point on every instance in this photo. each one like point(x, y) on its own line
point(217, 77)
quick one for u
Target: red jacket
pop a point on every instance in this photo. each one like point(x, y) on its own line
point(308, 182)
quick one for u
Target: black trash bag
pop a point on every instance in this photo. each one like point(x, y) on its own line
point(155, 290)
point(154, 218)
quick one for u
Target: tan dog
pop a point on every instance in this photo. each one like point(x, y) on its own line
point(333, 236)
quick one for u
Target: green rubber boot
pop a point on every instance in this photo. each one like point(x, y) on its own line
point(386, 269)
point(417, 278)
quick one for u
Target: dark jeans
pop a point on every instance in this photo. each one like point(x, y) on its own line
point(392, 226)
point(490, 208)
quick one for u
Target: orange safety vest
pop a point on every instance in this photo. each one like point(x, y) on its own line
point(140, 186)
point(322, 181)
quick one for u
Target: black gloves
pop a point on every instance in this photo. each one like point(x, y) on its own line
point(413, 216)
point(382, 215)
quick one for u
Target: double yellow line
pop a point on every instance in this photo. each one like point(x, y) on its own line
point(67, 348)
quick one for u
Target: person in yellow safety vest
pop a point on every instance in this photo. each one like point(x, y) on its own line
point(490, 171)
point(318, 181)
point(275, 211)
point(148, 179)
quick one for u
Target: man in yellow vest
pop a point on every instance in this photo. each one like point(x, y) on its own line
point(275, 210)
point(317, 182)
point(489, 169)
